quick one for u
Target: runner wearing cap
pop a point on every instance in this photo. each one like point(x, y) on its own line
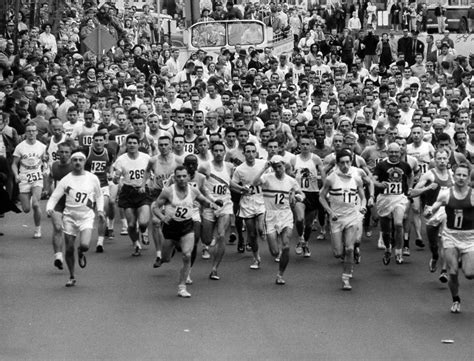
point(83, 197)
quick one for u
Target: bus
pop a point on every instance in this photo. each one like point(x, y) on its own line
point(214, 35)
point(455, 14)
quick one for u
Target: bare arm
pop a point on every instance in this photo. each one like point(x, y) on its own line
point(421, 187)
point(323, 200)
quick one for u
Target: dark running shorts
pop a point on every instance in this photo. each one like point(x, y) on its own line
point(311, 201)
point(176, 230)
point(130, 197)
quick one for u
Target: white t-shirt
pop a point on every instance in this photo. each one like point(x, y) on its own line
point(31, 157)
point(132, 170)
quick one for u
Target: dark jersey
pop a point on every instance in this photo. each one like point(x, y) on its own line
point(460, 212)
point(395, 174)
point(99, 164)
point(119, 135)
point(59, 171)
point(430, 196)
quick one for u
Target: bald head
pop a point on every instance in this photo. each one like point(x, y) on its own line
point(393, 147)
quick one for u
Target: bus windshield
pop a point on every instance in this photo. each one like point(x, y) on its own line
point(219, 34)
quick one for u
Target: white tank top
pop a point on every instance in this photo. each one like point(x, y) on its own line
point(218, 182)
point(343, 195)
point(306, 174)
point(180, 209)
point(53, 149)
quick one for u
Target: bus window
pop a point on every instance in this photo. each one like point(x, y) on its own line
point(210, 34)
point(465, 2)
point(453, 2)
point(245, 33)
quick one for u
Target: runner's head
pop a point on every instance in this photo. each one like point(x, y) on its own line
point(344, 159)
point(394, 152)
point(181, 176)
point(441, 158)
point(191, 164)
point(461, 174)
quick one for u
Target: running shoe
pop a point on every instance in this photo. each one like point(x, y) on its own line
point(214, 275)
point(240, 247)
point(110, 233)
point(306, 251)
point(433, 265)
point(299, 249)
point(137, 251)
point(232, 238)
point(58, 264)
point(420, 243)
point(279, 280)
point(144, 239)
point(321, 235)
point(124, 231)
point(399, 259)
point(99, 248)
point(157, 262)
point(71, 282)
point(357, 256)
point(37, 234)
point(456, 307)
point(256, 264)
point(406, 251)
point(386, 257)
point(182, 292)
point(205, 253)
point(81, 258)
point(368, 234)
point(346, 286)
point(380, 244)
point(443, 277)
point(248, 247)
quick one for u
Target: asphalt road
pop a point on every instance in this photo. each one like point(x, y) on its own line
point(123, 309)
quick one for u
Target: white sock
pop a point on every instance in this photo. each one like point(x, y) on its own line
point(137, 244)
point(158, 254)
point(124, 222)
point(100, 241)
point(37, 228)
point(110, 223)
point(58, 255)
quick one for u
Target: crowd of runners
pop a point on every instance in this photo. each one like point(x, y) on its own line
point(256, 149)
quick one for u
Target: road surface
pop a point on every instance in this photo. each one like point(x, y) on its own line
point(123, 309)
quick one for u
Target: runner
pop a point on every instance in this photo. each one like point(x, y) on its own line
point(218, 182)
point(423, 152)
point(134, 197)
point(393, 178)
point(59, 169)
point(27, 167)
point(83, 196)
point(177, 219)
point(308, 169)
point(344, 190)
point(162, 166)
point(99, 161)
point(251, 206)
point(278, 188)
point(428, 187)
point(458, 234)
